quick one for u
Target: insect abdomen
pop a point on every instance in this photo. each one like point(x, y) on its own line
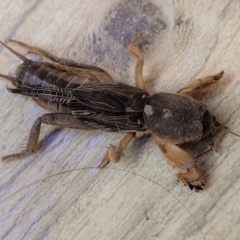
point(41, 74)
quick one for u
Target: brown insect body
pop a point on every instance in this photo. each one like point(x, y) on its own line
point(84, 96)
point(112, 106)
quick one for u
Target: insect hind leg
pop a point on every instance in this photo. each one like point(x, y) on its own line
point(57, 119)
point(86, 70)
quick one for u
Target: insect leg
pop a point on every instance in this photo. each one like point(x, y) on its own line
point(57, 119)
point(179, 158)
point(137, 52)
point(115, 152)
point(192, 88)
point(98, 73)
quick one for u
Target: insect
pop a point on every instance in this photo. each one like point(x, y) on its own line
point(85, 97)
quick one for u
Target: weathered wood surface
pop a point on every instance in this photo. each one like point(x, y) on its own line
point(59, 193)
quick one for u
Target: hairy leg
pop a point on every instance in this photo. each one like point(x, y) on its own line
point(96, 72)
point(57, 119)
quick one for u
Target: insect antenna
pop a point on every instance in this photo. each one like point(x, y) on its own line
point(14, 52)
point(203, 153)
point(226, 129)
point(217, 124)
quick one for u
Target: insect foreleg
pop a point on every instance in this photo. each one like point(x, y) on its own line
point(57, 119)
point(182, 160)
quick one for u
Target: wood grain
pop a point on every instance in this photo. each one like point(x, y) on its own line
point(59, 193)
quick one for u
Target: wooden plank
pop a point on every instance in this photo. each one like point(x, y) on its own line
point(59, 193)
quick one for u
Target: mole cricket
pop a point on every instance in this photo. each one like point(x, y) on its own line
point(85, 97)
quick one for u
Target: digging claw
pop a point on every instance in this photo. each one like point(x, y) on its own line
point(105, 161)
point(197, 187)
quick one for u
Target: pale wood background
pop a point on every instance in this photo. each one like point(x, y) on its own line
point(59, 193)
